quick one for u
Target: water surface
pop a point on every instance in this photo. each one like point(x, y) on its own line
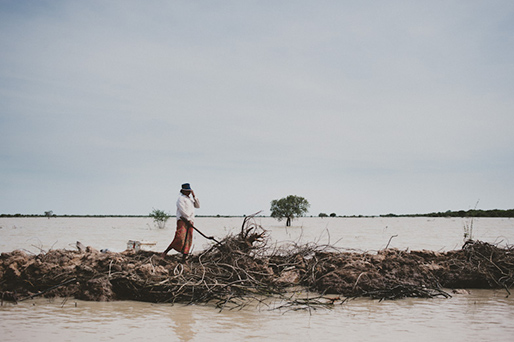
point(482, 315)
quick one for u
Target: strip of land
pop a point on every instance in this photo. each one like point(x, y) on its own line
point(243, 268)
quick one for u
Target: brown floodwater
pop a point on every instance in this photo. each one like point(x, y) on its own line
point(481, 315)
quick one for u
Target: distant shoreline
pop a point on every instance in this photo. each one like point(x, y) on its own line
point(103, 216)
point(460, 213)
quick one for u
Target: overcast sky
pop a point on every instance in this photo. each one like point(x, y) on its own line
point(361, 107)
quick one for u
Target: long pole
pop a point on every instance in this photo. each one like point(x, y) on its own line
point(202, 234)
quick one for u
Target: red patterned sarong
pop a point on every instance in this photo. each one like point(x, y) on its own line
point(183, 238)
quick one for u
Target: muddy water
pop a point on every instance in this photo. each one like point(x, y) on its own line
point(361, 234)
point(482, 315)
point(479, 316)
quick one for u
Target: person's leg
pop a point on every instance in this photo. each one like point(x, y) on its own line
point(179, 233)
point(187, 242)
point(163, 254)
point(182, 241)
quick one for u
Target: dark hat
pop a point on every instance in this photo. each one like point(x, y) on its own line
point(186, 187)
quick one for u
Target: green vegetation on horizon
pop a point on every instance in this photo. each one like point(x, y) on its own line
point(462, 213)
point(449, 213)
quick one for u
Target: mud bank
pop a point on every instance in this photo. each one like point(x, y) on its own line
point(243, 267)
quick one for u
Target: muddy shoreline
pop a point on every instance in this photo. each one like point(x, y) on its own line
point(242, 267)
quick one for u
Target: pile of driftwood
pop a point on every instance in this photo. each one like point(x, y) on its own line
point(243, 268)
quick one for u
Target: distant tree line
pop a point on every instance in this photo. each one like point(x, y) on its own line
point(54, 215)
point(449, 213)
point(325, 215)
point(463, 213)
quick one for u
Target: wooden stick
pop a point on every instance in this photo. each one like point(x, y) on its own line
point(202, 234)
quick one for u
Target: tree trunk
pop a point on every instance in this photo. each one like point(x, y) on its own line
point(288, 222)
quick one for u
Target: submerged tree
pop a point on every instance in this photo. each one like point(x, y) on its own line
point(289, 207)
point(159, 218)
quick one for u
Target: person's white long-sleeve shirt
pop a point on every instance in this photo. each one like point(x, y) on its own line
point(186, 207)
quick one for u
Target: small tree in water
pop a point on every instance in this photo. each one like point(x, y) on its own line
point(159, 218)
point(289, 208)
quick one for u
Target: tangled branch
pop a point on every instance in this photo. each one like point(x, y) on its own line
point(244, 269)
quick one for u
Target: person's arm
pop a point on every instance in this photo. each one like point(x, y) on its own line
point(196, 202)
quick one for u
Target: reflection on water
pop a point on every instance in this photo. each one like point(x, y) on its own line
point(479, 316)
point(182, 323)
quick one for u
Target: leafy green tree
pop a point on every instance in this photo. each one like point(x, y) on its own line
point(159, 218)
point(322, 215)
point(288, 208)
point(49, 213)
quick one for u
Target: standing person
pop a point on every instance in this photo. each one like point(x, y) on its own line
point(186, 204)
